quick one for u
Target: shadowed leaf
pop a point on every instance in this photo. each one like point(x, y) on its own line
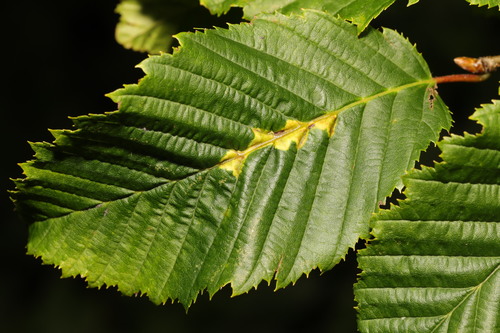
point(360, 12)
point(148, 25)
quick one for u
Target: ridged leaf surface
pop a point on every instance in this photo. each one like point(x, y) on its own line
point(250, 153)
point(434, 263)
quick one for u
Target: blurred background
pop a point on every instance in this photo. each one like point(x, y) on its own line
point(59, 58)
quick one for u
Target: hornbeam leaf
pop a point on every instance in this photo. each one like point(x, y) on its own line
point(360, 12)
point(434, 263)
point(148, 25)
point(252, 153)
point(139, 30)
point(489, 3)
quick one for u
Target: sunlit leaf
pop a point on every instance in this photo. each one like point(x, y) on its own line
point(252, 153)
point(434, 263)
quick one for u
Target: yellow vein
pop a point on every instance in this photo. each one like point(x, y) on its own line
point(299, 127)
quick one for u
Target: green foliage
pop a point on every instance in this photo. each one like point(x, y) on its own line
point(434, 263)
point(360, 12)
point(222, 164)
point(148, 25)
point(489, 3)
point(259, 153)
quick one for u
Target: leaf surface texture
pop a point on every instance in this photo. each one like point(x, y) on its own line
point(252, 153)
point(434, 263)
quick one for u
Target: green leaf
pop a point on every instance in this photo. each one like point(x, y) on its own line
point(148, 25)
point(434, 263)
point(489, 3)
point(360, 12)
point(252, 153)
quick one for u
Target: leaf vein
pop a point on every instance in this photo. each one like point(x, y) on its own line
point(177, 255)
point(337, 56)
point(231, 251)
point(302, 69)
point(261, 78)
point(229, 87)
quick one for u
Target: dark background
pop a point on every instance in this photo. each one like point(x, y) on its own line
point(59, 58)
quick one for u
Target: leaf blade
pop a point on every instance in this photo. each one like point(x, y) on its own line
point(325, 109)
point(437, 254)
point(148, 25)
point(358, 12)
point(489, 3)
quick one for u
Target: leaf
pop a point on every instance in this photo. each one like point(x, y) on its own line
point(252, 153)
point(148, 25)
point(489, 3)
point(434, 263)
point(360, 12)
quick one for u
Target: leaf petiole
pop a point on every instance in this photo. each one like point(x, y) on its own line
point(461, 78)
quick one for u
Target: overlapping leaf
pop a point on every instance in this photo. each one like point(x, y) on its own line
point(434, 264)
point(489, 3)
point(360, 12)
point(148, 25)
point(250, 153)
